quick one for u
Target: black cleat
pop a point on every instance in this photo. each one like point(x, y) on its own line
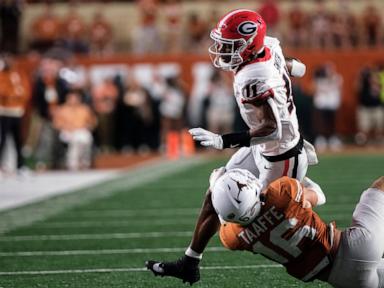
point(186, 268)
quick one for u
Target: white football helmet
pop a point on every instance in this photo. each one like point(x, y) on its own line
point(236, 196)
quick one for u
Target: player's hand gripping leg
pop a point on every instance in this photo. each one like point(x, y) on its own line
point(378, 183)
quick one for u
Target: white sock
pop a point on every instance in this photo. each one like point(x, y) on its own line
point(189, 252)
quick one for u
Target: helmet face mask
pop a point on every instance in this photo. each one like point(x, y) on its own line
point(226, 53)
point(236, 196)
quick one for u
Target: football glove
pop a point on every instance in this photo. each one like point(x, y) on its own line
point(186, 268)
point(207, 138)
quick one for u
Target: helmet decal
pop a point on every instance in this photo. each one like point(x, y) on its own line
point(247, 28)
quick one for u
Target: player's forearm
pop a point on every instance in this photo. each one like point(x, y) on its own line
point(245, 138)
point(269, 130)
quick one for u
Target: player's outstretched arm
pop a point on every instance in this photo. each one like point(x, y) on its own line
point(268, 129)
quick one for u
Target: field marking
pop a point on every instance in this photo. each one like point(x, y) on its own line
point(166, 211)
point(109, 270)
point(126, 223)
point(129, 180)
point(65, 237)
point(104, 252)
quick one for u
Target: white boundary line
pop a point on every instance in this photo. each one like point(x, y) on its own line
point(104, 252)
point(132, 235)
point(108, 270)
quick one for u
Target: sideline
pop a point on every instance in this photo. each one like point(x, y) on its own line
point(125, 180)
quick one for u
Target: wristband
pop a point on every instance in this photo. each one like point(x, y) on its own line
point(238, 139)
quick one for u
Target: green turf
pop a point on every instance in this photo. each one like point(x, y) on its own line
point(166, 206)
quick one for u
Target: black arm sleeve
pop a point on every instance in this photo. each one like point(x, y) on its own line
point(237, 139)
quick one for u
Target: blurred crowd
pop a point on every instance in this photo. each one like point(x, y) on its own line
point(68, 118)
point(317, 108)
point(61, 118)
point(165, 27)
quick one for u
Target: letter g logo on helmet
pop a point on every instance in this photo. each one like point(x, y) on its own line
point(247, 28)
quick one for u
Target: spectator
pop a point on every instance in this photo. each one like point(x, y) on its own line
point(372, 26)
point(104, 98)
point(297, 21)
point(74, 31)
point(221, 108)
point(269, 10)
point(172, 10)
point(137, 115)
point(10, 16)
point(101, 35)
point(172, 107)
point(381, 79)
point(14, 97)
point(350, 25)
point(370, 114)
point(339, 32)
point(146, 35)
point(327, 99)
point(49, 91)
point(304, 109)
point(196, 33)
point(320, 26)
point(74, 120)
point(45, 30)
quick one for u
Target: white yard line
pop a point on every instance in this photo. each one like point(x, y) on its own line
point(117, 223)
point(109, 270)
point(95, 236)
point(103, 252)
point(134, 212)
point(128, 180)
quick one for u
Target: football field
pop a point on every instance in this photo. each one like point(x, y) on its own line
point(104, 242)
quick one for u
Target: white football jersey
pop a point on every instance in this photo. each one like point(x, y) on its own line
point(260, 76)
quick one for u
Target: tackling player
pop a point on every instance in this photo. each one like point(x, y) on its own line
point(285, 229)
point(279, 223)
point(272, 147)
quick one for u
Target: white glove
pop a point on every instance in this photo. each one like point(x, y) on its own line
point(207, 138)
point(308, 183)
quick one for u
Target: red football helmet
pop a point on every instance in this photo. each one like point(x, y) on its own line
point(238, 35)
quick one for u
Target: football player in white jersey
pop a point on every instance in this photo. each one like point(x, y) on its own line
point(263, 93)
point(273, 146)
